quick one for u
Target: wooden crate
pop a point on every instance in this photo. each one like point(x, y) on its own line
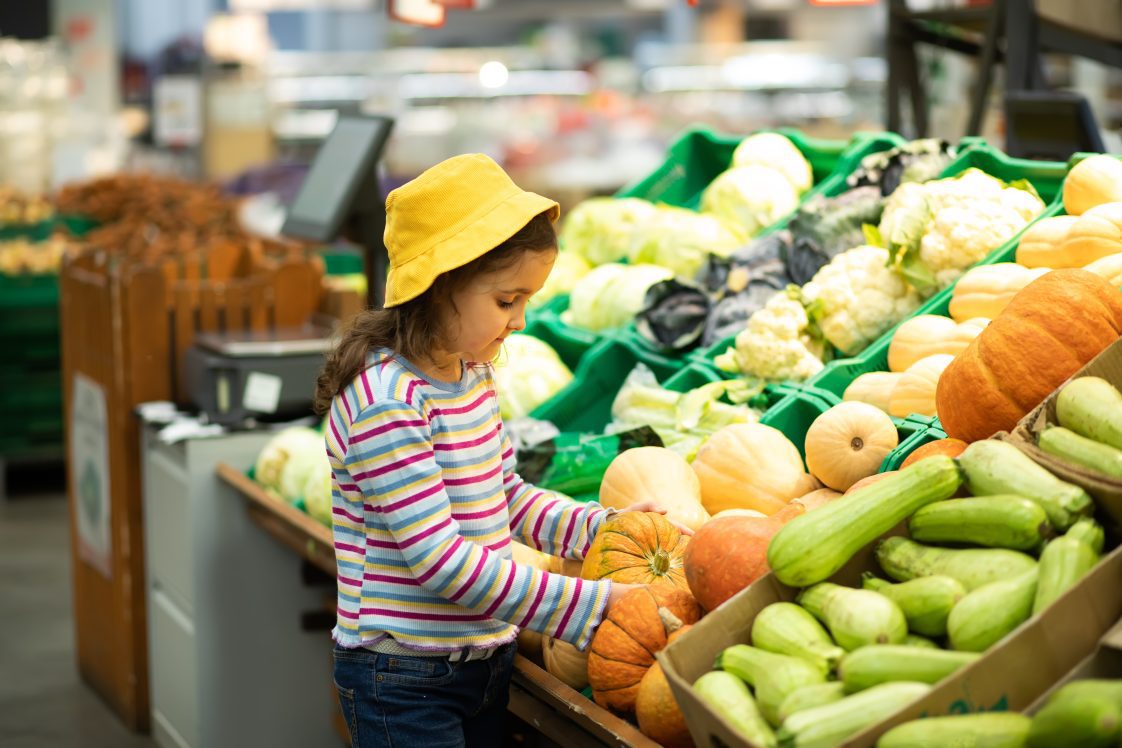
point(126, 321)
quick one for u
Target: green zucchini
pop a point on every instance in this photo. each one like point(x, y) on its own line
point(915, 640)
point(832, 724)
point(809, 697)
point(812, 546)
point(994, 467)
point(855, 618)
point(991, 521)
point(1091, 407)
point(730, 698)
point(785, 628)
point(904, 559)
point(1090, 532)
point(773, 676)
point(1088, 453)
point(1091, 721)
point(987, 614)
point(926, 601)
point(1064, 562)
point(984, 730)
point(870, 666)
point(1089, 687)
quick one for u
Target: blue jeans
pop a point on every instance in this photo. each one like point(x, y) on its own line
point(423, 702)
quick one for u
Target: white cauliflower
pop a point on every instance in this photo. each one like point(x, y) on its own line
point(935, 230)
point(857, 297)
point(777, 343)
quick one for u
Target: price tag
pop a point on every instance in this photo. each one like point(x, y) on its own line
point(262, 392)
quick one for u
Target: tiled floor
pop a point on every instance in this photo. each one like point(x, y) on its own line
point(43, 701)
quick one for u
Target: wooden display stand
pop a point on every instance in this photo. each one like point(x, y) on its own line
point(537, 698)
point(126, 321)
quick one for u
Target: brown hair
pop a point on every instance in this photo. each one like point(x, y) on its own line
point(412, 330)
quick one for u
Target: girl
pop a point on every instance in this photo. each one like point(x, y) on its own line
point(425, 497)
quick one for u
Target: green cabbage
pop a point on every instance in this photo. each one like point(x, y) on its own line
point(317, 492)
point(567, 270)
point(777, 152)
point(611, 295)
point(297, 469)
point(273, 459)
point(528, 373)
point(750, 197)
point(682, 240)
point(599, 229)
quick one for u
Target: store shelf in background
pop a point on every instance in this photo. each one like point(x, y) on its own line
point(1046, 176)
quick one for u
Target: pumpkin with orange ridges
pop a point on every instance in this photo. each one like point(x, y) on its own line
point(868, 481)
point(729, 553)
point(656, 709)
point(638, 625)
point(948, 447)
point(637, 548)
point(1048, 331)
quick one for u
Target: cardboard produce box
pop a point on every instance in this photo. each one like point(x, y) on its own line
point(1010, 676)
point(1106, 490)
point(1104, 662)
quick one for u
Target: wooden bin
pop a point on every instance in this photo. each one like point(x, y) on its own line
point(126, 321)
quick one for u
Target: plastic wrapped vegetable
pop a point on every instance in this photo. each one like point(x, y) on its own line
point(750, 197)
point(915, 161)
point(600, 229)
point(857, 298)
point(611, 295)
point(682, 240)
point(682, 420)
point(280, 450)
point(317, 492)
point(934, 231)
point(777, 152)
point(823, 228)
point(567, 270)
point(528, 373)
point(778, 344)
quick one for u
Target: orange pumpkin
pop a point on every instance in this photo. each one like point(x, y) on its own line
point(660, 718)
point(867, 482)
point(948, 447)
point(623, 649)
point(1050, 329)
point(637, 548)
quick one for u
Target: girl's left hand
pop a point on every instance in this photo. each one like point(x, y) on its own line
point(651, 506)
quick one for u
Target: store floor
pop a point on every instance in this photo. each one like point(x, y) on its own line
point(43, 701)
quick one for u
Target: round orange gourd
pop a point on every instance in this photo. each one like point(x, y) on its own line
point(849, 442)
point(1051, 329)
point(654, 474)
point(637, 548)
point(565, 662)
point(727, 555)
point(985, 290)
point(1039, 246)
point(656, 709)
point(915, 393)
point(948, 447)
point(817, 499)
point(737, 513)
point(750, 466)
point(623, 649)
point(874, 388)
point(1093, 181)
point(927, 335)
point(868, 481)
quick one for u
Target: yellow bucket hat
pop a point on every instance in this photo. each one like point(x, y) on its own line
point(453, 213)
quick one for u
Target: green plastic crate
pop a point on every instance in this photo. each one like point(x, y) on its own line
point(1046, 176)
point(571, 348)
point(36, 232)
point(78, 226)
point(21, 291)
point(917, 439)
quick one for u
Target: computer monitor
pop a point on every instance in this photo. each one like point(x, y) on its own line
point(341, 195)
point(1049, 125)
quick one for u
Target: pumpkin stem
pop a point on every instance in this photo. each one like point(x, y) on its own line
point(660, 563)
point(670, 621)
point(857, 443)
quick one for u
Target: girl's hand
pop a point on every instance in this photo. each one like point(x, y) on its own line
point(651, 506)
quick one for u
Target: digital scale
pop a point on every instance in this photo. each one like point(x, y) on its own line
point(235, 377)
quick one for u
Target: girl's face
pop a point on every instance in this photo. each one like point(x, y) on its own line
point(494, 305)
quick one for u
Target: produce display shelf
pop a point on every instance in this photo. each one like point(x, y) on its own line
point(35, 232)
point(536, 697)
point(1045, 176)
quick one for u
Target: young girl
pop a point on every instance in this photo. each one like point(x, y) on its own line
point(425, 497)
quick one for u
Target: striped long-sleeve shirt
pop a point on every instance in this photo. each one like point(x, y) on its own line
point(425, 502)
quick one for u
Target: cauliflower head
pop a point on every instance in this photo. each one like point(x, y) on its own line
point(857, 297)
point(935, 230)
point(777, 344)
